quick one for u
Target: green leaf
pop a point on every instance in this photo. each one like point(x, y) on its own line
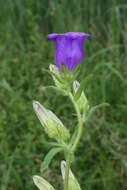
point(93, 109)
point(54, 88)
point(49, 157)
point(64, 69)
point(104, 104)
point(82, 86)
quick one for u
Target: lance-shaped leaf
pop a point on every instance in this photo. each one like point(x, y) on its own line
point(52, 125)
point(94, 108)
point(72, 182)
point(81, 87)
point(82, 100)
point(41, 183)
point(49, 157)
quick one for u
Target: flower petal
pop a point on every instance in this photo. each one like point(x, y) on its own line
point(53, 36)
point(74, 35)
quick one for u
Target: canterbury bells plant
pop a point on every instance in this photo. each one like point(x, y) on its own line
point(68, 55)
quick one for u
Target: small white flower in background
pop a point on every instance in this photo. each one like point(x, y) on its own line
point(82, 101)
point(52, 125)
point(72, 183)
point(41, 183)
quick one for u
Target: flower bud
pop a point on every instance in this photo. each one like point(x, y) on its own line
point(82, 101)
point(52, 125)
point(42, 184)
point(55, 75)
point(72, 182)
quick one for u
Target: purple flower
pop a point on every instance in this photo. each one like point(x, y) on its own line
point(69, 48)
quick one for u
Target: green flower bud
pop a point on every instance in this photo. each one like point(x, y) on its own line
point(82, 101)
point(42, 184)
point(52, 125)
point(62, 78)
point(55, 75)
point(72, 182)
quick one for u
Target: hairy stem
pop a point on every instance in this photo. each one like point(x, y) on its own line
point(68, 162)
point(76, 141)
point(80, 124)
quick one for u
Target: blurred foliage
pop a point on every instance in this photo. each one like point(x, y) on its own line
point(25, 54)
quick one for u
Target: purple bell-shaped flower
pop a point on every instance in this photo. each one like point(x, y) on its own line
point(69, 48)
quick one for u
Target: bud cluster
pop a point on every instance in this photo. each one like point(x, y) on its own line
point(52, 125)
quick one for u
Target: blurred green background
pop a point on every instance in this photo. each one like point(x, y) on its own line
point(25, 54)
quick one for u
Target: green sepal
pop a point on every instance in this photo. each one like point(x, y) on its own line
point(75, 71)
point(57, 77)
point(64, 69)
point(61, 78)
point(49, 157)
point(66, 76)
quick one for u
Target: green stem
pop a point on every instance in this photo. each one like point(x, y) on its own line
point(80, 127)
point(80, 123)
point(68, 162)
